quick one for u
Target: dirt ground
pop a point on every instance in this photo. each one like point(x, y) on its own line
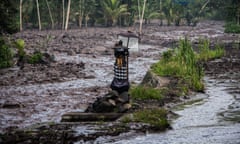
point(83, 69)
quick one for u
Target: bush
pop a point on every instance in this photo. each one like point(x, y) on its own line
point(35, 58)
point(6, 54)
point(232, 28)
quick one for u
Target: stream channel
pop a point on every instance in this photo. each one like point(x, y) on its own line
point(211, 120)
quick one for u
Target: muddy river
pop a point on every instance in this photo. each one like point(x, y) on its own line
point(214, 119)
point(83, 71)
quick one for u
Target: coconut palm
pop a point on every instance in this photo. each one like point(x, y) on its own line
point(112, 10)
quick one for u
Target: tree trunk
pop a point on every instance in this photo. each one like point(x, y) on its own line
point(86, 20)
point(39, 17)
point(50, 14)
point(63, 14)
point(81, 12)
point(68, 13)
point(141, 20)
point(20, 8)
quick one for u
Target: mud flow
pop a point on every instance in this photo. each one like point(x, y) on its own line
point(83, 71)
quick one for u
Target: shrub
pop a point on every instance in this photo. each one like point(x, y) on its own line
point(35, 58)
point(6, 54)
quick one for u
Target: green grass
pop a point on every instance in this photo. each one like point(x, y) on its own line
point(157, 118)
point(182, 63)
point(232, 28)
point(206, 53)
point(145, 93)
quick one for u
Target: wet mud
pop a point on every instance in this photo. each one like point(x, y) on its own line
point(83, 71)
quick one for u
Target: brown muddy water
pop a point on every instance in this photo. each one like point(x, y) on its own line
point(214, 120)
point(84, 69)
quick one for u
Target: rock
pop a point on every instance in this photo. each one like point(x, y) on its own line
point(11, 105)
point(155, 81)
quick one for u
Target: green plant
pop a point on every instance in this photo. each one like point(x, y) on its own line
point(35, 58)
point(6, 55)
point(206, 53)
point(232, 28)
point(157, 118)
point(20, 44)
point(182, 63)
point(145, 93)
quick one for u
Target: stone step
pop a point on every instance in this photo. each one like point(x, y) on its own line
point(86, 117)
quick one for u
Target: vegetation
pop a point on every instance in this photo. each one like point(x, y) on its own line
point(57, 14)
point(6, 54)
point(8, 12)
point(144, 93)
point(181, 63)
point(207, 54)
point(184, 63)
point(157, 118)
point(35, 58)
point(232, 28)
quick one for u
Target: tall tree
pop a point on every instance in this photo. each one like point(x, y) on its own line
point(63, 14)
point(39, 17)
point(141, 20)
point(20, 16)
point(50, 14)
point(68, 14)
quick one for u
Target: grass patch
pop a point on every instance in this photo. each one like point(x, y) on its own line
point(181, 63)
point(145, 93)
point(156, 118)
point(206, 53)
point(184, 64)
point(232, 28)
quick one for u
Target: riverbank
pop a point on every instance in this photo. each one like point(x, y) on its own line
point(36, 106)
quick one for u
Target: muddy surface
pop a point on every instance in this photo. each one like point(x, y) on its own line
point(215, 117)
point(83, 70)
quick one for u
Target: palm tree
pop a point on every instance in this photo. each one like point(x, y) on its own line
point(112, 10)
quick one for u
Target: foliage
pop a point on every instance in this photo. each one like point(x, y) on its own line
point(232, 28)
point(20, 44)
point(112, 10)
point(8, 11)
point(145, 93)
point(183, 64)
point(6, 54)
point(157, 118)
point(206, 54)
point(35, 58)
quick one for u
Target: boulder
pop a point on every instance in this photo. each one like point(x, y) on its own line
point(153, 80)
